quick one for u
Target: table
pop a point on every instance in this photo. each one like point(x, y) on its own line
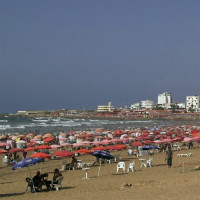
point(143, 162)
point(86, 173)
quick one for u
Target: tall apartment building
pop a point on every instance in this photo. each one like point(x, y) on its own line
point(193, 103)
point(165, 98)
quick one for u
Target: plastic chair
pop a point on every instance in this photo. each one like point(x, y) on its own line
point(121, 165)
point(149, 163)
point(30, 185)
point(130, 152)
point(5, 160)
point(58, 184)
point(131, 166)
point(117, 157)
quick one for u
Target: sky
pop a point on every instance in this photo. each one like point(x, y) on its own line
point(78, 54)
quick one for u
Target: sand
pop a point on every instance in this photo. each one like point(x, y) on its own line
point(156, 183)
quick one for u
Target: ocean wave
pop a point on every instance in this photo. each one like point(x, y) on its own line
point(4, 127)
point(3, 121)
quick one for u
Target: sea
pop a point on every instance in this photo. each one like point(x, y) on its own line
point(40, 125)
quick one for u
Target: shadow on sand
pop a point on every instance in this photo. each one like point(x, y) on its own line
point(11, 194)
point(5, 183)
point(120, 173)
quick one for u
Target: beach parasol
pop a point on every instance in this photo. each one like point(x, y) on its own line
point(136, 144)
point(66, 144)
point(16, 150)
point(29, 149)
point(41, 155)
point(27, 162)
point(149, 147)
point(4, 144)
point(103, 155)
point(83, 151)
point(49, 139)
point(55, 146)
point(3, 151)
point(63, 154)
point(43, 147)
point(98, 148)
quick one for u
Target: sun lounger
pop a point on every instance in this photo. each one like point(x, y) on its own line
point(184, 155)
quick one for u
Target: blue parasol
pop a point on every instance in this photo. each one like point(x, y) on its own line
point(103, 155)
point(27, 162)
point(149, 147)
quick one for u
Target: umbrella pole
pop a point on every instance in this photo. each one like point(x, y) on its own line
point(32, 180)
point(99, 169)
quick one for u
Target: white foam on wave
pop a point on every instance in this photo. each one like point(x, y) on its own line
point(4, 127)
point(3, 121)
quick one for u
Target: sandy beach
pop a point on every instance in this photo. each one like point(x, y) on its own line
point(158, 182)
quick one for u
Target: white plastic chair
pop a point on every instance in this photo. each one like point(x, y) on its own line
point(5, 160)
point(149, 163)
point(117, 157)
point(131, 166)
point(58, 185)
point(130, 152)
point(121, 165)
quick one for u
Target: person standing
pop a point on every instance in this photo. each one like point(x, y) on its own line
point(169, 156)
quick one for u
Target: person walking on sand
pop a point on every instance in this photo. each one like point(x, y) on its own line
point(169, 157)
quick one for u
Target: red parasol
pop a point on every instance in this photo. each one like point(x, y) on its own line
point(83, 151)
point(138, 143)
point(4, 144)
point(43, 147)
point(41, 155)
point(29, 149)
point(98, 148)
point(63, 153)
point(49, 139)
point(16, 150)
point(148, 142)
point(122, 146)
point(3, 151)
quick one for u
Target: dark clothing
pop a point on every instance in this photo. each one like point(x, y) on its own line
point(38, 181)
point(169, 156)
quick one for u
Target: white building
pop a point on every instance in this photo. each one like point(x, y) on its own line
point(148, 104)
point(181, 105)
point(106, 108)
point(135, 106)
point(193, 103)
point(165, 98)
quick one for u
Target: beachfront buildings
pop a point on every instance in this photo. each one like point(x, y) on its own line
point(147, 104)
point(106, 108)
point(165, 100)
point(193, 103)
